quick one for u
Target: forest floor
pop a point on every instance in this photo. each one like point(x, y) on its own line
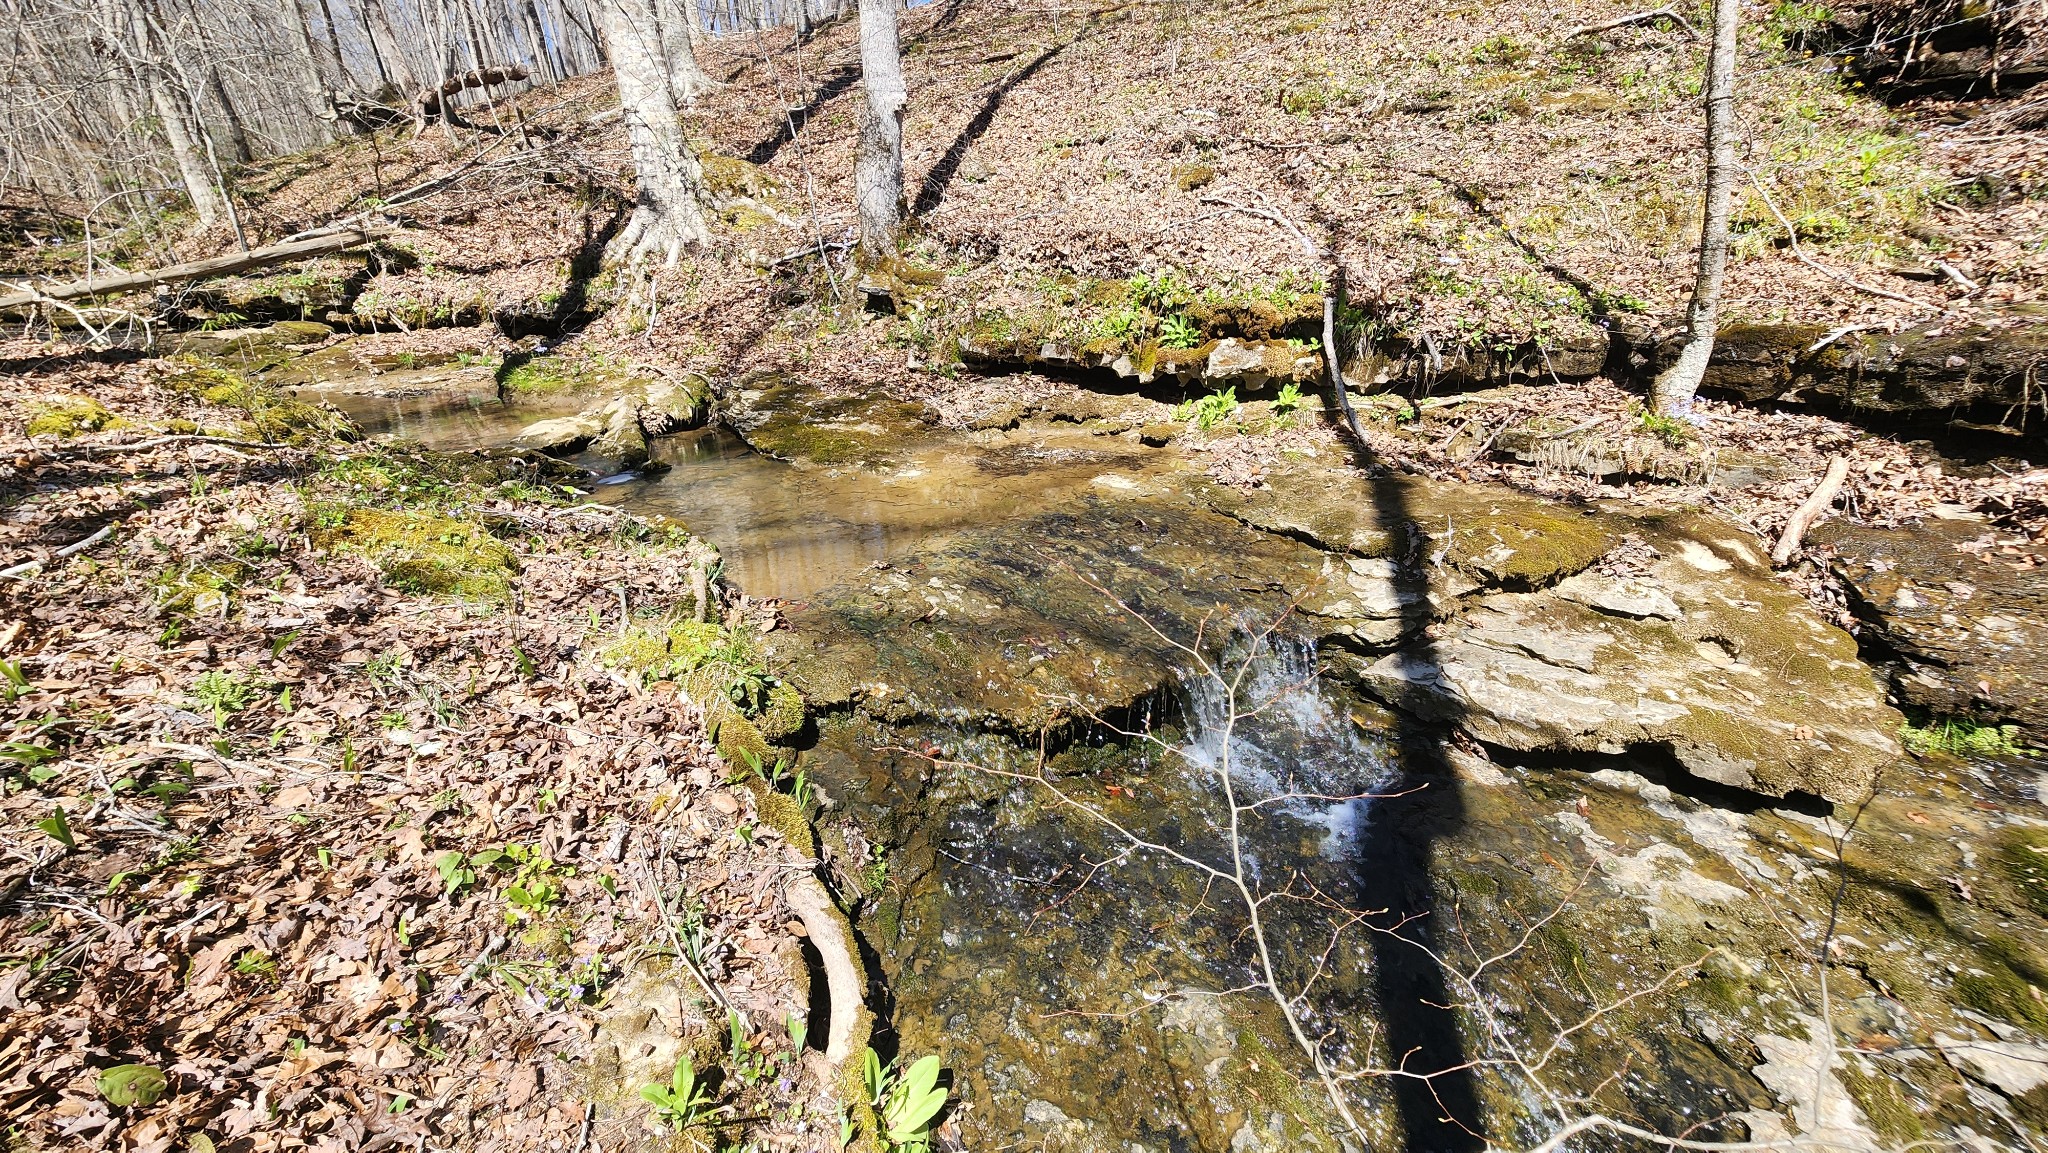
point(346, 860)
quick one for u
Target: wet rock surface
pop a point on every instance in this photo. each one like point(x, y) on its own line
point(618, 428)
point(1961, 630)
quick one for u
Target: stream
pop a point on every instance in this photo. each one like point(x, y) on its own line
point(1053, 673)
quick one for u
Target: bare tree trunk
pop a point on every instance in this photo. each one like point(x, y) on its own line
point(878, 173)
point(685, 77)
point(1675, 387)
point(669, 210)
point(238, 133)
point(337, 74)
point(318, 95)
point(385, 42)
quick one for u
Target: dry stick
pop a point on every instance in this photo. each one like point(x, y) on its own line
point(26, 567)
point(1668, 12)
point(159, 442)
point(1803, 518)
point(1792, 234)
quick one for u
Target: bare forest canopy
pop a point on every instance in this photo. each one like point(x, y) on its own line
point(105, 102)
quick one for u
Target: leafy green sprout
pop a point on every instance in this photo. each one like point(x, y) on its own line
point(907, 1103)
point(1209, 411)
point(684, 1102)
point(224, 693)
point(17, 683)
point(1962, 738)
point(1178, 331)
point(1288, 399)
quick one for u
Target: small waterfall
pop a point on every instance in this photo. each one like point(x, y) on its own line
point(1291, 749)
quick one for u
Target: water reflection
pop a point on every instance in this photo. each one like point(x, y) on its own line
point(784, 531)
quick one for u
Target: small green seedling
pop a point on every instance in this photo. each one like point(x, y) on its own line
point(58, 826)
point(907, 1104)
point(682, 1102)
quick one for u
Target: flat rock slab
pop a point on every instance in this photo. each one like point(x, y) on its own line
point(1016, 627)
point(1970, 630)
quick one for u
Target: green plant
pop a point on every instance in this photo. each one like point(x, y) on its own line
point(748, 1063)
point(683, 1101)
point(1288, 398)
point(1670, 429)
point(256, 964)
point(1962, 738)
point(1209, 411)
point(1121, 324)
point(1178, 331)
point(224, 693)
point(58, 826)
point(17, 683)
point(220, 320)
point(908, 1103)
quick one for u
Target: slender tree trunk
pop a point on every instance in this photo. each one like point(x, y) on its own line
point(685, 77)
point(1675, 387)
point(180, 130)
point(337, 74)
point(238, 133)
point(543, 63)
point(398, 70)
point(315, 90)
point(668, 213)
point(878, 173)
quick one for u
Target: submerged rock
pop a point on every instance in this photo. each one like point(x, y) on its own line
point(1965, 633)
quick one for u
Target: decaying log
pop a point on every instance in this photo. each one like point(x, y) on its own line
point(317, 245)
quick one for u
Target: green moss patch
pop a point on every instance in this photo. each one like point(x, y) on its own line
point(71, 416)
point(268, 414)
point(422, 552)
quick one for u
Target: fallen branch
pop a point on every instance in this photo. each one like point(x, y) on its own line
point(1806, 514)
point(227, 265)
point(1792, 234)
point(27, 567)
point(427, 103)
point(159, 442)
point(825, 926)
point(1668, 12)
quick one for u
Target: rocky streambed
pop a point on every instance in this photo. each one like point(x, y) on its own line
point(1548, 810)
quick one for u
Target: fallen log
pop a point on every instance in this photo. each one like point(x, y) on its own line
point(317, 245)
point(427, 104)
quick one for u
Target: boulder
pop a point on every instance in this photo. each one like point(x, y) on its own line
point(559, 435)
point(1965, 632)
